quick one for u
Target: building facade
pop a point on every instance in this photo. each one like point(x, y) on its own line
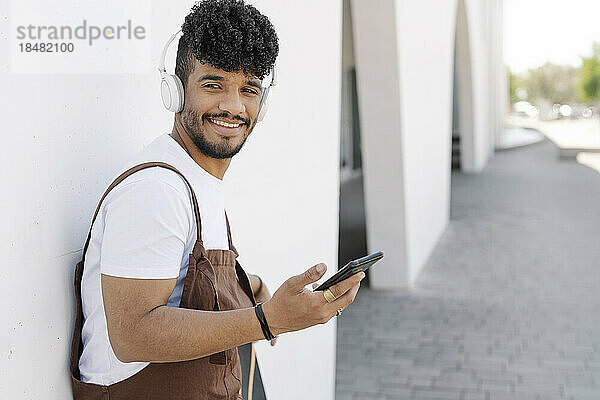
point(66, 135)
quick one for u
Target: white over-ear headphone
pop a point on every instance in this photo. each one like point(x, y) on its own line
point(171, 88)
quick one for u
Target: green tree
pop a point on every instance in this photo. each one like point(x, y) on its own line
point(589, 82)
point(514, 82)
point(557, 83)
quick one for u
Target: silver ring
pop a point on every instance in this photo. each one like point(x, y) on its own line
point(339, 312)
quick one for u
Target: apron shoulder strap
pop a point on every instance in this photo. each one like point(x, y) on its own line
point(131, 171)
point(231, 246)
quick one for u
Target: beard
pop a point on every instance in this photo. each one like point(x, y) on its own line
point(225, 147)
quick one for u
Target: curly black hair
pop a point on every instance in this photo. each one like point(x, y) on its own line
point(229, 35)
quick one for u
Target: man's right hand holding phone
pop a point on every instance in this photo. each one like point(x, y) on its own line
point(294, 307)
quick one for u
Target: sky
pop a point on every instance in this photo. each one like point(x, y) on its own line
point(538, 31)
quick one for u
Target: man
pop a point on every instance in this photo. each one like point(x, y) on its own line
point(164, 302)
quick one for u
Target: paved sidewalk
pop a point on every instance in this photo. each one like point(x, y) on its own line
point(508, 305)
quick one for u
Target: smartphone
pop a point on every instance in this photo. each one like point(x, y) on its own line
point(361, 264)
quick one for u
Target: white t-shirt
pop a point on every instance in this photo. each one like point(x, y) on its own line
point(145, 229)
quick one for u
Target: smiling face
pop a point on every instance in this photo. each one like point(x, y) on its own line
point(220, 109)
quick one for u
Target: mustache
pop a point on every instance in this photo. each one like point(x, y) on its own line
point(226, 115)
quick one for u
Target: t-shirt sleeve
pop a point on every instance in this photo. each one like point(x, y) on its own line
point(146, 225)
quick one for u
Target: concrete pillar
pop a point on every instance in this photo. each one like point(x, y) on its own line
point(464, 88)
point(378, 84)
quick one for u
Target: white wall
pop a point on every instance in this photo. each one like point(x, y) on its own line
point(66, 135)
point(485, 27)
point(426, 65)
point(404, 73)
point(498, 73)
point(404, 53)
point(376, 58)
point(463, 89)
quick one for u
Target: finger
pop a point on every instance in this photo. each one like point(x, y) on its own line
point(342, 303)
point(314, 285)
point(311, 275)
point(345, 300)
point(273, 341)
point(342, 287)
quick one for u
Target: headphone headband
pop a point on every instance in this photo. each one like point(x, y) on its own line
point(161, 63)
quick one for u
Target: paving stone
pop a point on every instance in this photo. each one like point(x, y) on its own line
point(506, 306)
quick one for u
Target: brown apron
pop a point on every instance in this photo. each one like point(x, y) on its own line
point(215, 281)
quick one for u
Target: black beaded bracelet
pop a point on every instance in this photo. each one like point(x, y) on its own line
point(263, 322)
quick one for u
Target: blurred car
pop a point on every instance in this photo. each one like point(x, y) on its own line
point(524, 109)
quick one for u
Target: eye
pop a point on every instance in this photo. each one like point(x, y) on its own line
point(250, 91)
point(211, 86)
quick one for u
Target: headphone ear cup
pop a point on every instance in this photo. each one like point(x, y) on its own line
point(181, 93)
point(264, 105)
point(171, 91)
